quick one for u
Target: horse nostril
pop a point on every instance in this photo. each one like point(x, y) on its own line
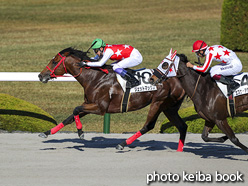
point(40, 77)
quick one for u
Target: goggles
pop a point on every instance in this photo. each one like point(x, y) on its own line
point(96, 50)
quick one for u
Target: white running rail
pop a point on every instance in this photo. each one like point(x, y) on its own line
point(30, 76)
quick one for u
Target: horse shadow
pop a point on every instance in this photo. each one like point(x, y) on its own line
point(105, 143)
point(204, 150)
point(215, 151)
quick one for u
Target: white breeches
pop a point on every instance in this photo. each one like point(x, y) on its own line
point(227, 69)
point(134, 60)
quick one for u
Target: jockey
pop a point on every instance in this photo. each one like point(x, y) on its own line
point(230, 63)
point(125, 55)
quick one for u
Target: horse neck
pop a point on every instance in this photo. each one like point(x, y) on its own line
point(191, 79)
point(82, 75)
point(90, 78)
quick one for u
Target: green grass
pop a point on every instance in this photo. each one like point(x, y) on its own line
point(32, 32)
point(19, 115)
point(195, 124)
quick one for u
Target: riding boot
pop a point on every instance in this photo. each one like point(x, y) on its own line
point(131, 80)
point(231, 84)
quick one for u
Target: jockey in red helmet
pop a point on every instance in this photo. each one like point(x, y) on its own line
point(229, 63)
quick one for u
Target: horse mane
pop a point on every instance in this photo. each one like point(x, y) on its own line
point(83, 56)
point(77, 53)
point(184, 59)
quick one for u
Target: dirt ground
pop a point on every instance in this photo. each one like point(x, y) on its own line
point(65, 160)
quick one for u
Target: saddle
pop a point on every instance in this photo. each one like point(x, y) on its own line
point(143, 76)
point(242, 88)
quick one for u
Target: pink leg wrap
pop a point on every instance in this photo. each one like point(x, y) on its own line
point(78, 122)
point(132, 138)
point(57, 128)
point(180, 145)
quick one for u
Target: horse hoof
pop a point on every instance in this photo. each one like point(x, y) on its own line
point(119, 147)
point(81, 136)
point(42, 135)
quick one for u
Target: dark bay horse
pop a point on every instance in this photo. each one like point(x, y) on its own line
point(209, 101)
point(103, 94)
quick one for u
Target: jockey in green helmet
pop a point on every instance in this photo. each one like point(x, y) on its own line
point(125, 56)
point(98, 43)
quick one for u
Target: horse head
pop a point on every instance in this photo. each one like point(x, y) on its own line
point(64, 62)
point(164, 68)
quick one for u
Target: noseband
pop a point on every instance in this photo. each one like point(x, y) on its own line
point(59, 63)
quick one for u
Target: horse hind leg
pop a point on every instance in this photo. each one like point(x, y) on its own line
point(223, 125)
point(207, 129)
point(79, 125)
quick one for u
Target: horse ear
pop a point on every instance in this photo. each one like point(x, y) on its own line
point(171, 51)
point(173, 55)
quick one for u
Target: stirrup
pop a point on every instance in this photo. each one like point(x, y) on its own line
point(131, 80)
point(132, 83)
point(232, 89)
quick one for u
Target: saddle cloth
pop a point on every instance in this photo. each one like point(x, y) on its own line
point(242, 79)
point(141, 75)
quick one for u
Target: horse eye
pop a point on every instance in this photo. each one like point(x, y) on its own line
point(54, 62)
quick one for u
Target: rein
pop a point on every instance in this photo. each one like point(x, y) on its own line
point(164, 76)
point(196, 86)
point(59, 63)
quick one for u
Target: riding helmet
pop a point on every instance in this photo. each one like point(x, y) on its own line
point(199, 45)
point(98, 43)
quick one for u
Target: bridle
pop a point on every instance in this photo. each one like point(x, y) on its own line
point(59, 63)
point(163, 76)
point(52, 74)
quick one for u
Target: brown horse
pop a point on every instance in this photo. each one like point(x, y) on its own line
point(103, 94)
point(209, 101)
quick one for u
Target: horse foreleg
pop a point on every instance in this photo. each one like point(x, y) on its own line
point(207, 129)
point(223, 125)
point(67, 121)
point(57, 127)
point(149, 125)
point(172, 115)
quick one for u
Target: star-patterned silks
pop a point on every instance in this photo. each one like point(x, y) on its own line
point(216, 53)
point(211, 48)
point(120, 51)
point(217, 56)
point(126, 46)
point(220, 53)
point(226, 52)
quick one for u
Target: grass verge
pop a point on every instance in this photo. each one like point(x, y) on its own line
point(239, 123)
point(19, 115)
